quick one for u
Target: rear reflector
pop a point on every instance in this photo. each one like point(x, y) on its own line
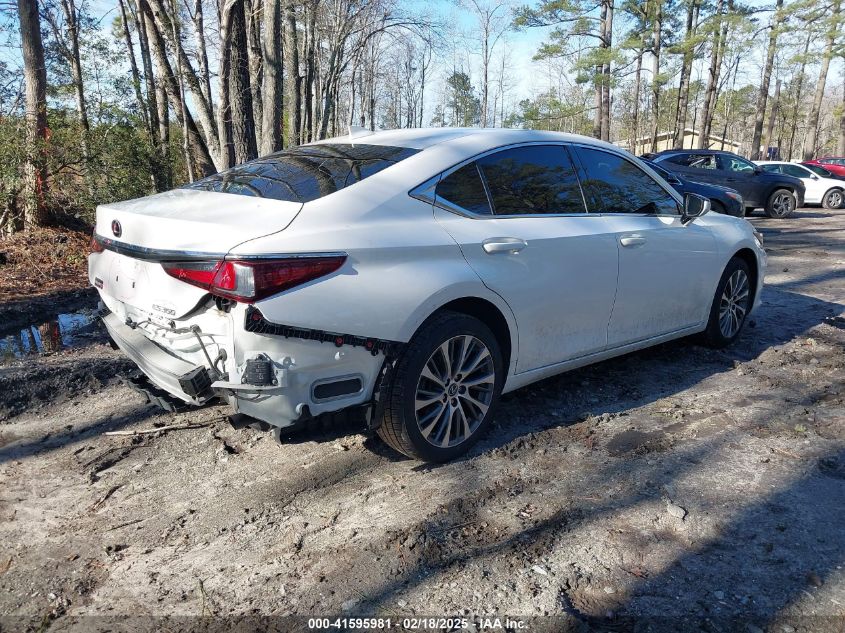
point(96, 245)
point(252, 280)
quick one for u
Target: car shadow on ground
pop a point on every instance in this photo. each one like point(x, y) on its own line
point(785, 543)
point(633, 380)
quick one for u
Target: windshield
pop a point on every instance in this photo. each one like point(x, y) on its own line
point(302, 174)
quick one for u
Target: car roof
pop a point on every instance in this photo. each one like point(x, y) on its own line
point(705, 152)
point(422, 138)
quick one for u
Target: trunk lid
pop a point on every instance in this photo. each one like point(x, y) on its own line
point(182, 224)
point(190, 220)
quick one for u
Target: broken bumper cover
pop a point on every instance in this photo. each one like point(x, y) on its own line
point(180, 378)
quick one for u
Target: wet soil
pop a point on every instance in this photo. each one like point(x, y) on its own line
point(686, 488)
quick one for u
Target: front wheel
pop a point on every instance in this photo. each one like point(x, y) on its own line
point(833, 199)
point(781, 204)
point(444, 389)
point(731, 305)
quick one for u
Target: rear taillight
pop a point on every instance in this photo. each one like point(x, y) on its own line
point(251, 280)
point(96, 245)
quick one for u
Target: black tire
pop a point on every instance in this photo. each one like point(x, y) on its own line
point(781, 204)
point(834, 199)
point(400, 428)
point(714, 335)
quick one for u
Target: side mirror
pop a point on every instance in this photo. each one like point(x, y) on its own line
point(694, 207)
point(758, 169)
point(814, 177)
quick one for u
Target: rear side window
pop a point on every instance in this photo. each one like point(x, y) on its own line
point(532, 180)
point(303, 174)
point(464, 188)
point(619, 186)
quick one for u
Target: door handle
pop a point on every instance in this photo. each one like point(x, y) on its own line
point(629, 241)
point(510, 245)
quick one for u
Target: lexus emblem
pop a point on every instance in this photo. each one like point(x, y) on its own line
point(116, 228)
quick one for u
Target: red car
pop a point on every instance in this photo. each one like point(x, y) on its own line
point(834, 164)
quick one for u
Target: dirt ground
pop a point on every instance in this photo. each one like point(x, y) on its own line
point(677, 488)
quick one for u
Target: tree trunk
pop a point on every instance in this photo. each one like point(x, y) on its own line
point(798, 92)
point(72, 19)
point(720, 30)
point(170, 87)
point(638, 81)
point(271, 110)
point(607, 43)
point(202, 51)
point(840, 148)
point(763, 95)
point(240, 91)
point(813, 122)
point(686, 73)
point(294, 79)
point(161, 19)
point(770, 130)
point(162, 173)
point(35, 82)
point(253, 11)
point(657, 32)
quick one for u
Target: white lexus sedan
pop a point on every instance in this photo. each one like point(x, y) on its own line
point(413, 276)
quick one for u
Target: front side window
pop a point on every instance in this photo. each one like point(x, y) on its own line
point(772, 169)
point(532, 180)
point(463, 188)
point(305, 173)
point(619, 186)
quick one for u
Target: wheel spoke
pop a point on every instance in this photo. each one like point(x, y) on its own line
point(422, 403)
point(482, 407)
point(447, 358)
point(447, 434)
point(432, 420)
point(484, 379)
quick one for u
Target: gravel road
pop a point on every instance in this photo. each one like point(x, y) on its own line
point(680, 487)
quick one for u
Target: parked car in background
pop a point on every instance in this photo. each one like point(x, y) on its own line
point(777, 194)
point(824, 172)
point(414, 276)
point(827, 192)
point(722, 199)
point(836, 164)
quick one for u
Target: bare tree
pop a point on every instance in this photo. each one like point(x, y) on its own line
point(35, 82)
point(492, 21)
point(763, 95)
point(832, 24)
point(273, 75)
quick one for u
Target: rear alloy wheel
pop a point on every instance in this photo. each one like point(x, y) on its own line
point(781, 204)
point(833, 199)
point(444, 389)
point(730, 305)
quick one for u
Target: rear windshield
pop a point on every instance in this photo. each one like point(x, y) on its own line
point(302, 174)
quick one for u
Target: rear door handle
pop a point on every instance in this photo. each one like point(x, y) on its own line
point(503, 245)
point(630, 241)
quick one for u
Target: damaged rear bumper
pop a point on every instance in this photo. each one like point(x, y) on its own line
point(180, 378)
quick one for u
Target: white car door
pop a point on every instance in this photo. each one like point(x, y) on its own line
point(815, 187)
point(667, 270)
point(520, 219)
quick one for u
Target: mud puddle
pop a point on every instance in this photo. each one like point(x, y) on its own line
point(53, 335)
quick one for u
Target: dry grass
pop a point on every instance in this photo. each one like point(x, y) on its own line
point(43, 261)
